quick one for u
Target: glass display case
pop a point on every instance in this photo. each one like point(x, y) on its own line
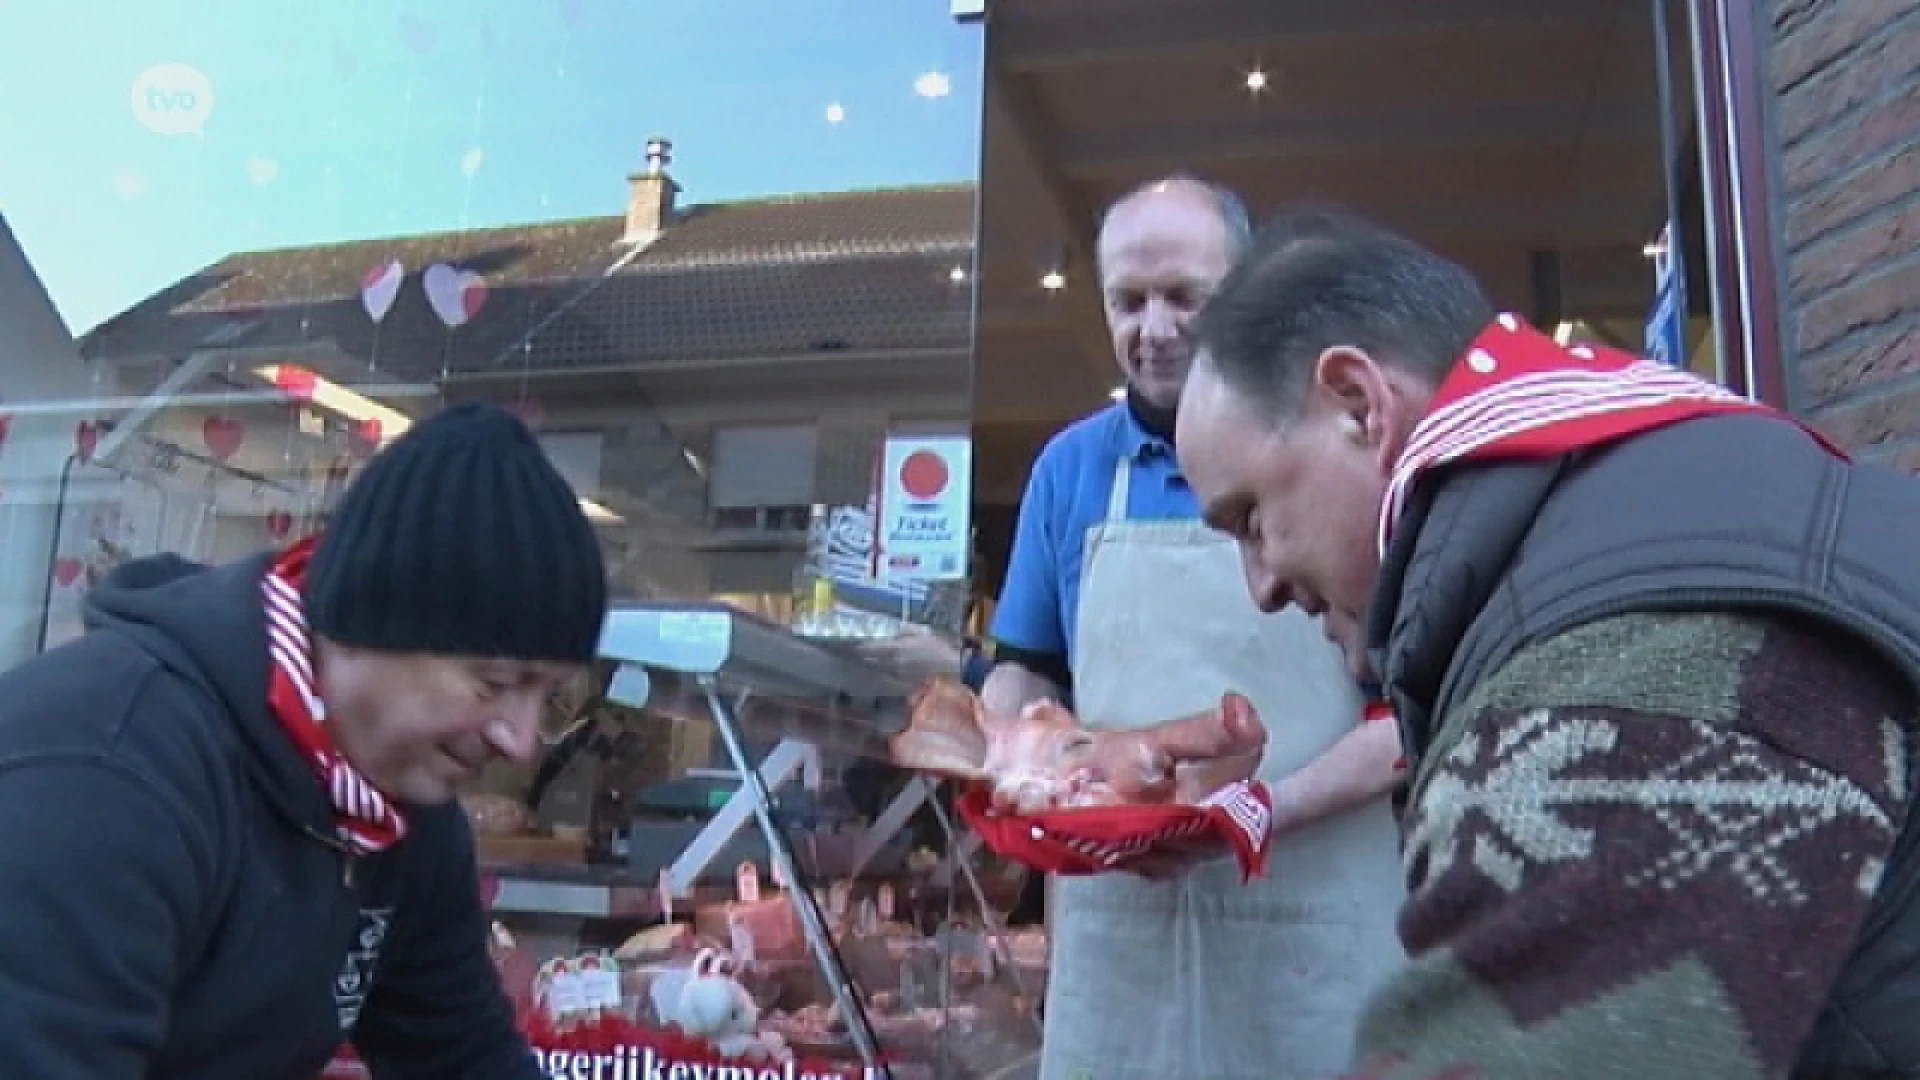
point(714, 816)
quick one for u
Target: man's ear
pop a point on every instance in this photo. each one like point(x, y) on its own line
point(1352, 391)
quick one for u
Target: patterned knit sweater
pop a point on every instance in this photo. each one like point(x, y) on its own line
point(1643, 850)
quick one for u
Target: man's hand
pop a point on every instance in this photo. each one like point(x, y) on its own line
point(1186, 760)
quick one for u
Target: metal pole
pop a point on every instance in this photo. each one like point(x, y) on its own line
point(1706, 54)
point(53, 552)
point(818, 939)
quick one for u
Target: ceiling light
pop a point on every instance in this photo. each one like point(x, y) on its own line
point(1118, 393)
point(1654, 250)
point(957, 275)
point(1053, 281)
point(1256, 80)
point(836, 113)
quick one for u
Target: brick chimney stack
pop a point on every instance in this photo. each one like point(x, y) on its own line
point(650, 194)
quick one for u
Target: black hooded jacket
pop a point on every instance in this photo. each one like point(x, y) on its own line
point(173, 903)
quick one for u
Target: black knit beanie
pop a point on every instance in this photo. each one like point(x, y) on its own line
point(461, 539)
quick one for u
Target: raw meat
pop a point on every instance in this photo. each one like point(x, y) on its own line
point(771, 923)
point(1045, 760)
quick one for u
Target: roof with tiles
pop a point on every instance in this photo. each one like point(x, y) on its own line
point(843, 271)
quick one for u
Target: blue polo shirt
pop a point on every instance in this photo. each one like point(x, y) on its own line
point(1066, 496)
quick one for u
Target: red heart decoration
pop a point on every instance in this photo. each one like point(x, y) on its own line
point(222, 435)
point(370, 431)
point(279, 523)
point(455, 296)
point(86, 438)
point(295, 382)
point(473, 297)
point(380, 286)
point(66, 571)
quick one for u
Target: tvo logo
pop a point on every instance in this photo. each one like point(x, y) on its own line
point(172, 99)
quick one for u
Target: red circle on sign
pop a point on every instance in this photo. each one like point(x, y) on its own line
point(923, 475)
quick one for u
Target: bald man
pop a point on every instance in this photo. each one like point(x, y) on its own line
point(1121, 601)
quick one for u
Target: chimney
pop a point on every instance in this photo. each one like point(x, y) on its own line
point(650, 194)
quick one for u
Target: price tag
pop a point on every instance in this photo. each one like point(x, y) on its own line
point(568, 994)
point(746, 882)
point(600, 987)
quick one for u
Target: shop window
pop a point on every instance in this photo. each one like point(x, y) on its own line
point(762, 478)
point(704, 269)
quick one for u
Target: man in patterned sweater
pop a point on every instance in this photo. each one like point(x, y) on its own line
point(1653, 650)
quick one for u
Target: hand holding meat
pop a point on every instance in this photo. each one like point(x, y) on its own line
point(1045, 760)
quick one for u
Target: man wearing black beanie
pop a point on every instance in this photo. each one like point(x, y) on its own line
point(228, 837)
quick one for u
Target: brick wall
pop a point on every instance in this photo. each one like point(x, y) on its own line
point(1846, 127)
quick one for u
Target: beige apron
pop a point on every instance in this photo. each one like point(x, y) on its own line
point(1205, 978)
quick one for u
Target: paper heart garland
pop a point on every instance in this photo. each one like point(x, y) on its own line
point(222, 435)
point(86, 439)
point(66, 571)
point(456, 296)
point(380, 286)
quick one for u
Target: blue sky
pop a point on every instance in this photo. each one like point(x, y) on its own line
point(362, 118)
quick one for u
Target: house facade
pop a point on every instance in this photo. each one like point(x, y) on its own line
point(702, 373)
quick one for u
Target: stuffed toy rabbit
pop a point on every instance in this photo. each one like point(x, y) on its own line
point(714, 1006)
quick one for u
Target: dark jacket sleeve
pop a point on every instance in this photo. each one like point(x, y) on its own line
point(437, 1011)
point(95, 916)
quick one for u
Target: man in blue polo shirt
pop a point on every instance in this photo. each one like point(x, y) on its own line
point(1122, 602)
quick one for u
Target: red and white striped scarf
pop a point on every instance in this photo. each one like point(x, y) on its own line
point(362, 816)
point(1520, 394)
